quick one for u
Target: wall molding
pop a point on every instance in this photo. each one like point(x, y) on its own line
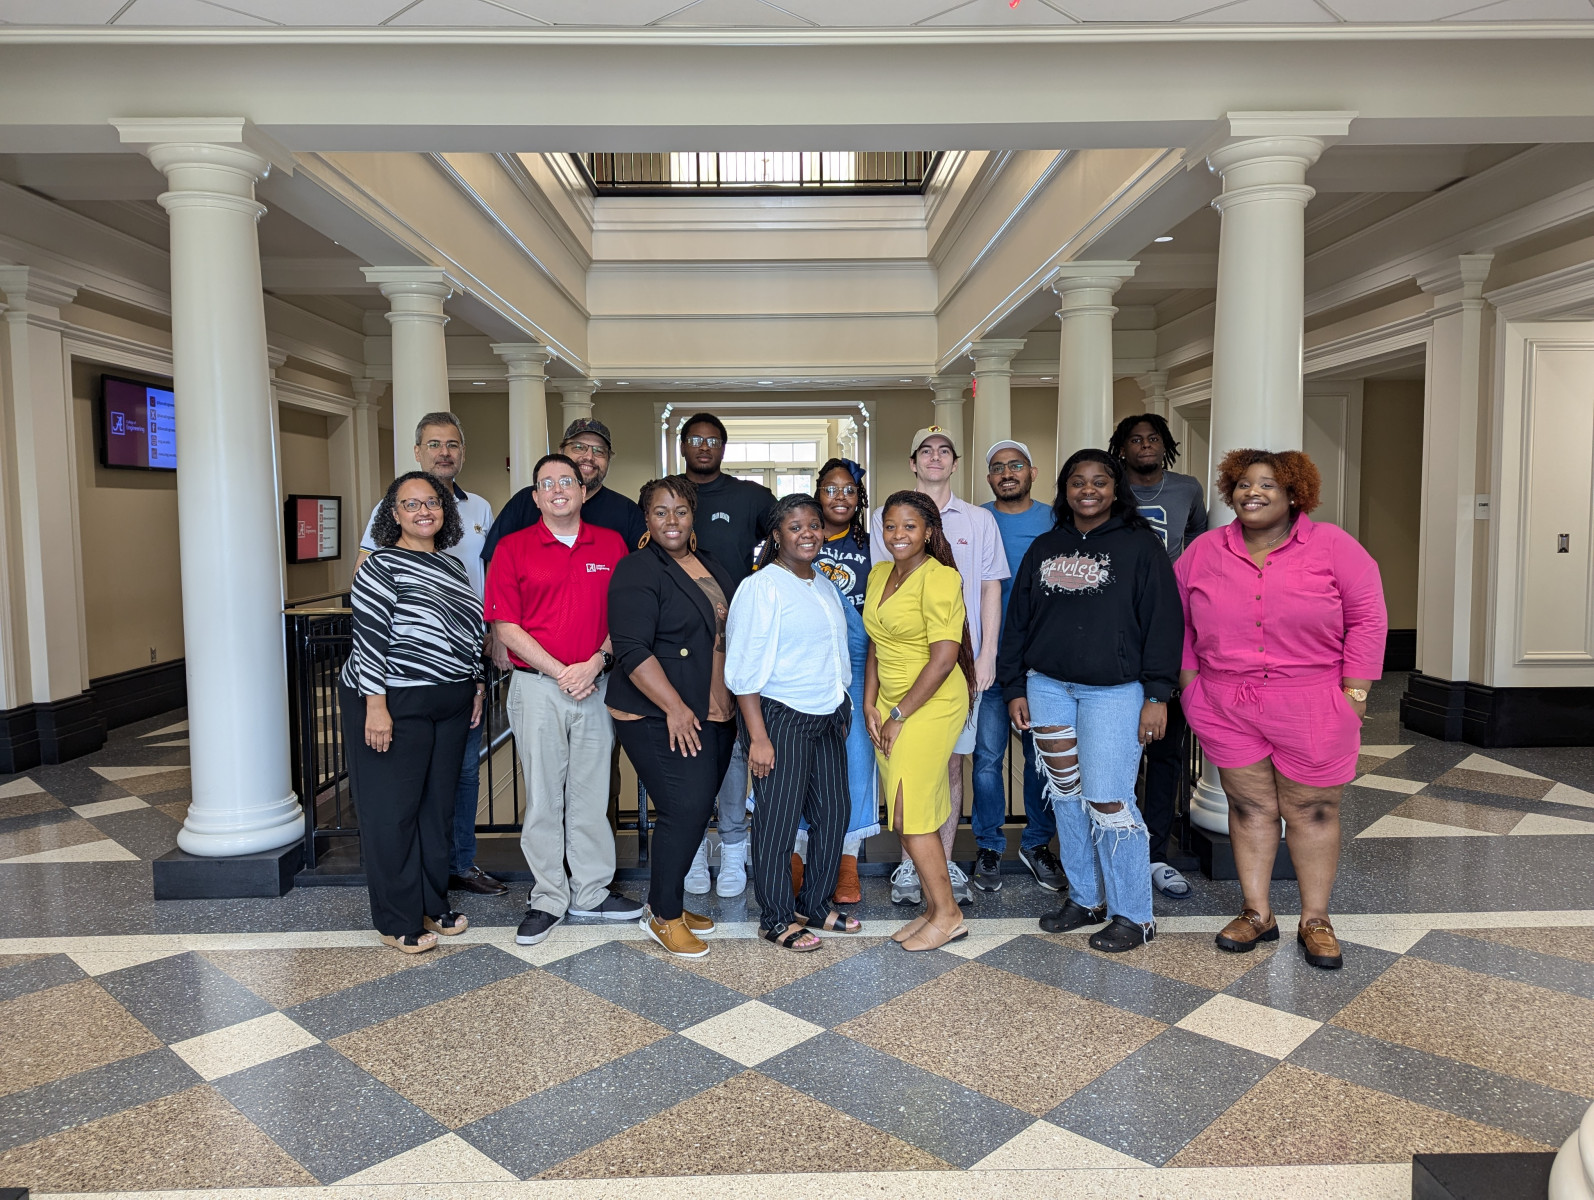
point(1556, 294)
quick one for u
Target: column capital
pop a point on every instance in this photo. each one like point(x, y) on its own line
point(275, 357)
point(1239, 137)
point(575, 390)
point(994, 356)
point(1152, 382)
point(948, 387)
point(1086, 273)
point(524, 359)
point(1466, 273)
point(204, 134)
point(28, 288)
point(365, 391)
point(423, 283)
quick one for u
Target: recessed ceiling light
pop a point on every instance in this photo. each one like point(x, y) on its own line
point(904, 381)
point(766, 383)
point(477, 383)
point(1167, 237)
point(1046, 378)
point(622, 383)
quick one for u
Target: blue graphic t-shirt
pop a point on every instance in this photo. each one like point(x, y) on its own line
point(845, 564)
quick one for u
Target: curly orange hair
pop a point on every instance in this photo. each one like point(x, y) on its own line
point(1294, 472)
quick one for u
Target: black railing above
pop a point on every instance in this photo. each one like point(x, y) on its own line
point(758, 172)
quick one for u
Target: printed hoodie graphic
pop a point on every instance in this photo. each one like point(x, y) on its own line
point(1076, 572)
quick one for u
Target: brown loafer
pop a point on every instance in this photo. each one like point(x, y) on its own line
point(1321, 947)
point(478, 882)
point(675, 937)
point(1242, 934)
point(848, 890)
point(697, 922)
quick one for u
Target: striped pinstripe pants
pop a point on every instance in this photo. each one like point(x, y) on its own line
point(808, 782)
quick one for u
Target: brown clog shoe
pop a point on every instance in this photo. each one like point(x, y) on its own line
point(1241, 935)
point(1321, 947)
point(848, 890)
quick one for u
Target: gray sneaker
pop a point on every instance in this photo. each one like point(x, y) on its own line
point(905, 887)
point(960, 884)
point(1043, 864)
point(988, 870)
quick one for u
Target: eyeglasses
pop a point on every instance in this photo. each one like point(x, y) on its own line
point(434, 446)
point(831, 492)
point(586, 448)
point(563, 483)
point(695, 441)
point(1015, 466)
point(415, 506)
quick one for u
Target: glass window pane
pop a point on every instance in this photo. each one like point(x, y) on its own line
point(755, 451)
point(780, 452)
point(800, 482)
point(805, 452)
point(735, 452)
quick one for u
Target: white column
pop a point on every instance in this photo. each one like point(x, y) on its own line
point(1084, 368)
point(415, 297)
point(370, 476)
point(528, 407)
point(1257, 332)
point(575, 401)
point(949, 392)
point(47, 650)
point(1154, 387)
point(1450, 467)
point(993, 400)
point(229, 510)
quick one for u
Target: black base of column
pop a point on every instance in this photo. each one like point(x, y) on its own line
point(1462, 711)
point(1215, 852)
point(1480, 1176)
point(183, 876)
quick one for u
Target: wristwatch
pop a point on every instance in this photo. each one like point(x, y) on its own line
point(1357, 694)
point(608, 661)
point(896, 714)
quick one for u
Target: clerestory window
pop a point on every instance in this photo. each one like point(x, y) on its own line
point(744, 172)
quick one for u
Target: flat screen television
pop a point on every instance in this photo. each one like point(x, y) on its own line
point(314, 528)
point(138, 425)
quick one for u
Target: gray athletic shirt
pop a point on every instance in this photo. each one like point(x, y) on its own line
point(1176, 509)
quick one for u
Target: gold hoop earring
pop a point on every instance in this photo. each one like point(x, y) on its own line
point(691, 541)
point(643, 540)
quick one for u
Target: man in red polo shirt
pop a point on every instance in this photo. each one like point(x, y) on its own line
point(548, 601)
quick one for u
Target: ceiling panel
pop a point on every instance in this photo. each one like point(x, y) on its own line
point(1000, 12)
point(59, 12)
point(184, 13)
point(448, 14)
point(319, 12)
point(1267, 12)
point(586, 12)
point(1133, 11)
point(736, 14)
point(1530, 10)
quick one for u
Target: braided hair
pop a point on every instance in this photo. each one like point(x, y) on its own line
point(940, 549)
point(1119, 442)
point(769, 551)
point(858, 526)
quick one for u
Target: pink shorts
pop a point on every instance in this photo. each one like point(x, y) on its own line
point(1306, 726)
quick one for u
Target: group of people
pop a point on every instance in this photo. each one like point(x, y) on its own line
point(832, 658)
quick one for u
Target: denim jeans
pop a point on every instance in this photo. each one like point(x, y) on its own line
point(1105, 855)
point(732, 798)
point(990, 791)
point(463, 855)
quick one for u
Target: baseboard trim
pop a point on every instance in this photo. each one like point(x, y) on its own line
point(61, 730)
point(1497, 717)
point(143, 692)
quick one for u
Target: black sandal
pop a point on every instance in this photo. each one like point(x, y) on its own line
point(448, 924)
point(836, 922)
point(787, 936)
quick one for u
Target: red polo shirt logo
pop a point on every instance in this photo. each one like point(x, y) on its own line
point(558, 594)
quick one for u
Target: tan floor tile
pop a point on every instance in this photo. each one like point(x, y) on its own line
point(20, 786)
point(469, 1056)
point(1542, 824)
point(1298, 1116)
point(177, 810)
point(103, 962)
point(100, 850)
point(1188, 957)
point(194, 1139)
point(751, 1032)
point(284, 978)
point(1369, 762)
point(1045, 1147)
point(239, 1047)
point(161, 781)
point(60, 1031)
point(755, 968)
point(1514, 1028)
point(1521, 786)
point(76, 832)
point(1250, 1026)
point(448, 1159)
point(748, 1125)
point(26, 804)
point(1571, 942)
point(1456, 812)
point(16, 960)
point(960, 1023)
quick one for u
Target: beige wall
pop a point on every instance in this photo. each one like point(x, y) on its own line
point(305, 469)
point(132, 589)
point(485, 419)
point(1391, 489)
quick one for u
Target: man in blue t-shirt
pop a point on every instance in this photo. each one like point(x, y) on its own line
point(1011, 473)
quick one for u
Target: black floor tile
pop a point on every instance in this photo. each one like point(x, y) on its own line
point(89, 1095)
point(1115, 983)
point(182, 996)
point(37, 975)
point(855, 985)
point(1507, 962)
point(650, 987)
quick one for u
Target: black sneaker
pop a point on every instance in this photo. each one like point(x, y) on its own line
point(1123, 934)
point(477, 881)
point(988, 870)
point(615, 908)
point(536, 927)
point(1072, 916)
point(1043, 864)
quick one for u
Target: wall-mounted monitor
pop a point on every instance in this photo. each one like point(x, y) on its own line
point(138, 425)
point(314, 528)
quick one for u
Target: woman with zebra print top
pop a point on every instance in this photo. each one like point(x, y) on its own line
point(409, 691)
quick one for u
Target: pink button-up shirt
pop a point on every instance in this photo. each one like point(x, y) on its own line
point(1316, 605)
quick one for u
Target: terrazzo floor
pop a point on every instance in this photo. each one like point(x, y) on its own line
point(271, 1049)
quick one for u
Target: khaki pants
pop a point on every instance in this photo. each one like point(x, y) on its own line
point(564, 748)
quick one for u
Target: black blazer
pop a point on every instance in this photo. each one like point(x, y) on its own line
point(657, 610)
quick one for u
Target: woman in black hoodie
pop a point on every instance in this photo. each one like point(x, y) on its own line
point(1089, 656)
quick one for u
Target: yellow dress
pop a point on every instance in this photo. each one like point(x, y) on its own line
point(928, 607)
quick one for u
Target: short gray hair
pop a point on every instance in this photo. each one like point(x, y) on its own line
point(439, 418)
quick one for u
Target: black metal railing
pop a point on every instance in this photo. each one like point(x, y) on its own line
point(753, 172)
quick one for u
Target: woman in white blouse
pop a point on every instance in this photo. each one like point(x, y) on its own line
point(786, 660)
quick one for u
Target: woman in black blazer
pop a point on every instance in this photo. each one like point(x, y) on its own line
point(672, 712)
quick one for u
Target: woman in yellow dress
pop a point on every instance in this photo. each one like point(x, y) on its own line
point(916, 697)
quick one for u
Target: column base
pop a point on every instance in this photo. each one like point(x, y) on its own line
point(233, 833)
point(1480, 1176)
point(1215, 853)
point(1497, 717)
point(183, 876)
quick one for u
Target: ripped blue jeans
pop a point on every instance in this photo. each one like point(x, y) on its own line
point(1094, 733)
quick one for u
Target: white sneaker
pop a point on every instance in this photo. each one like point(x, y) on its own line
point(960, 884)
point(733, 869)
point(697, 880)
point(905, 887)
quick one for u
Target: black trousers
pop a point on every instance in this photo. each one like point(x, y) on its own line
point(682, 788)
point(1164, 763)
point(404, 797)
point(809, 780)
